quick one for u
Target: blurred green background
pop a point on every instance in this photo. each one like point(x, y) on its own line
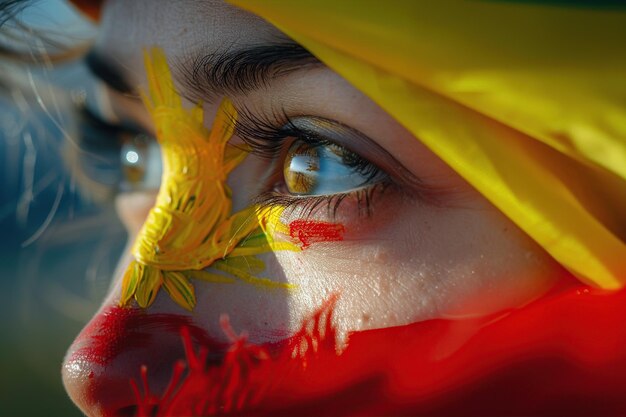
point(58, 248)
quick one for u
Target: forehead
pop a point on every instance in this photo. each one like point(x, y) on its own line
point(180, 27)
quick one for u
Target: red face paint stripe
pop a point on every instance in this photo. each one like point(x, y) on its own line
point(308, 232)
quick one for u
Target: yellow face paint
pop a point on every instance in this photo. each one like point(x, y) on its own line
point(191, 226)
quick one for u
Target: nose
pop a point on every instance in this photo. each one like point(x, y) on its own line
point(112, 349)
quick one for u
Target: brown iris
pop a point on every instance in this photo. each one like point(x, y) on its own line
point(301, 168)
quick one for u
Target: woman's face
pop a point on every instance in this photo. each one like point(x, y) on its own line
point(416, 243)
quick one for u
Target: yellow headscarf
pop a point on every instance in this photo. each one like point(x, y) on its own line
point(526, 101)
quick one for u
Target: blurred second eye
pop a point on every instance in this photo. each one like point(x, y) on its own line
point(140, 158)
point(113, 158)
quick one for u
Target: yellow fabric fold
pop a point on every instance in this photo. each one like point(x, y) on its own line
point(525, 101)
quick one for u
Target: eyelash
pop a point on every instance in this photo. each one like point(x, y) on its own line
point(268, 138)
point(308, 205)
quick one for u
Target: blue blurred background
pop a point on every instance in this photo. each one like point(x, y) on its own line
point(58, 248)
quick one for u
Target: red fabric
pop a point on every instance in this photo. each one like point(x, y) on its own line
point(562, 355)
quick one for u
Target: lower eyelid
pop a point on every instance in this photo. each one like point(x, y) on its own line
point(352, 204)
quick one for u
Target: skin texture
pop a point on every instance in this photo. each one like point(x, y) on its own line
point(430, 251)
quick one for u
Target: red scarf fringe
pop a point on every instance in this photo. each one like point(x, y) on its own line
point(562, 355)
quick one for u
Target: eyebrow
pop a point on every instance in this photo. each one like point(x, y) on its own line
point(240, 71)
point(203, 77)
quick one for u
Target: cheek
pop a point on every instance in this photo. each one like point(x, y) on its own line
point(418, 262)
point(485, 264)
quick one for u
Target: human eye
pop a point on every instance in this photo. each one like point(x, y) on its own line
point(114, 157)
point(319, 167)
point(316, 162)
point(141, 163)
